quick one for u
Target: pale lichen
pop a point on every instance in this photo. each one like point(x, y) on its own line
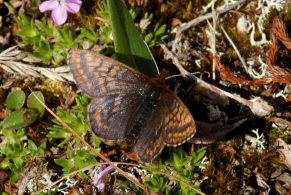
point(265, 6)
point(258, 141)
point(284, 93)
point(263, 68)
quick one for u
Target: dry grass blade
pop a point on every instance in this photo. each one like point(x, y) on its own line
point(13, 60)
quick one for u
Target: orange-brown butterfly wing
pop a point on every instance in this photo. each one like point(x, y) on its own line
point(170, 123)
point(150, 141)
point(111, 116)
point(122, 96)
point(179, 124)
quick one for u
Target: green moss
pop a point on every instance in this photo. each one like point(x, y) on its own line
point(241, 40)
point(284, 14)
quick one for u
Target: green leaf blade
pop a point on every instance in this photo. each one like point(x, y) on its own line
point(129, 45)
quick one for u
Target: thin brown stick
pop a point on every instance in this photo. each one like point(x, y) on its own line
point(64, 177)
point(91, 147)
point(213, 38)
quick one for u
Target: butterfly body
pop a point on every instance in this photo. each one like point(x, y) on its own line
point(142, 115)
point(128, 105)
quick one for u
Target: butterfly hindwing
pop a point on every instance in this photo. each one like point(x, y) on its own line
point(170, 123)
point(178, 123)
point(110, 116)
point(150, 141)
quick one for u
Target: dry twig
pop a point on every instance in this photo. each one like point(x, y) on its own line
point(213, 38)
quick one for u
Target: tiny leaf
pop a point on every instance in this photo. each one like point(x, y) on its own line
point(33, 102)
point(20, 118)
point(15, 100)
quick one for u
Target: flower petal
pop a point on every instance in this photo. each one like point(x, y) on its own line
point(59, 15)
point(99, 179)
point(101, 187)
point(73, 6)
point(75, 1)
point(48, 5)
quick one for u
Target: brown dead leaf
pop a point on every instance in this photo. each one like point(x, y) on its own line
point(285, 150)
point(260, 178)
point(227, 74)
point(283, 183)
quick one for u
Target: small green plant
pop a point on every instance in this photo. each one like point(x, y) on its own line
point(183, 166)
point(157, 34)
point(76, 159)
point(49, 193)
point(76, 118)
point(88, 34)
point(105, 28)
point(78, 156)
point(15, 154)
point(17, 149)
point(19, 117)
point(50, 42)
point(158, 183)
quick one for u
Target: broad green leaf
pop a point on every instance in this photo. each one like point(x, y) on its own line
point(15, 100)
point(33, 102)
point(20, 118)
point(129, 46)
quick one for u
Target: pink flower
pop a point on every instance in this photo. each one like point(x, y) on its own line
point(99, 178)
point(60, 8)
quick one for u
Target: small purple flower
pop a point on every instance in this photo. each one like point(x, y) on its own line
point(60, 9)
point(99, 178)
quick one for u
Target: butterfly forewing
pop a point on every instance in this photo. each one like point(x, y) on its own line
point(98, 75)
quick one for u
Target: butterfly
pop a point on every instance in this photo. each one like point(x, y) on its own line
point(130, 106)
